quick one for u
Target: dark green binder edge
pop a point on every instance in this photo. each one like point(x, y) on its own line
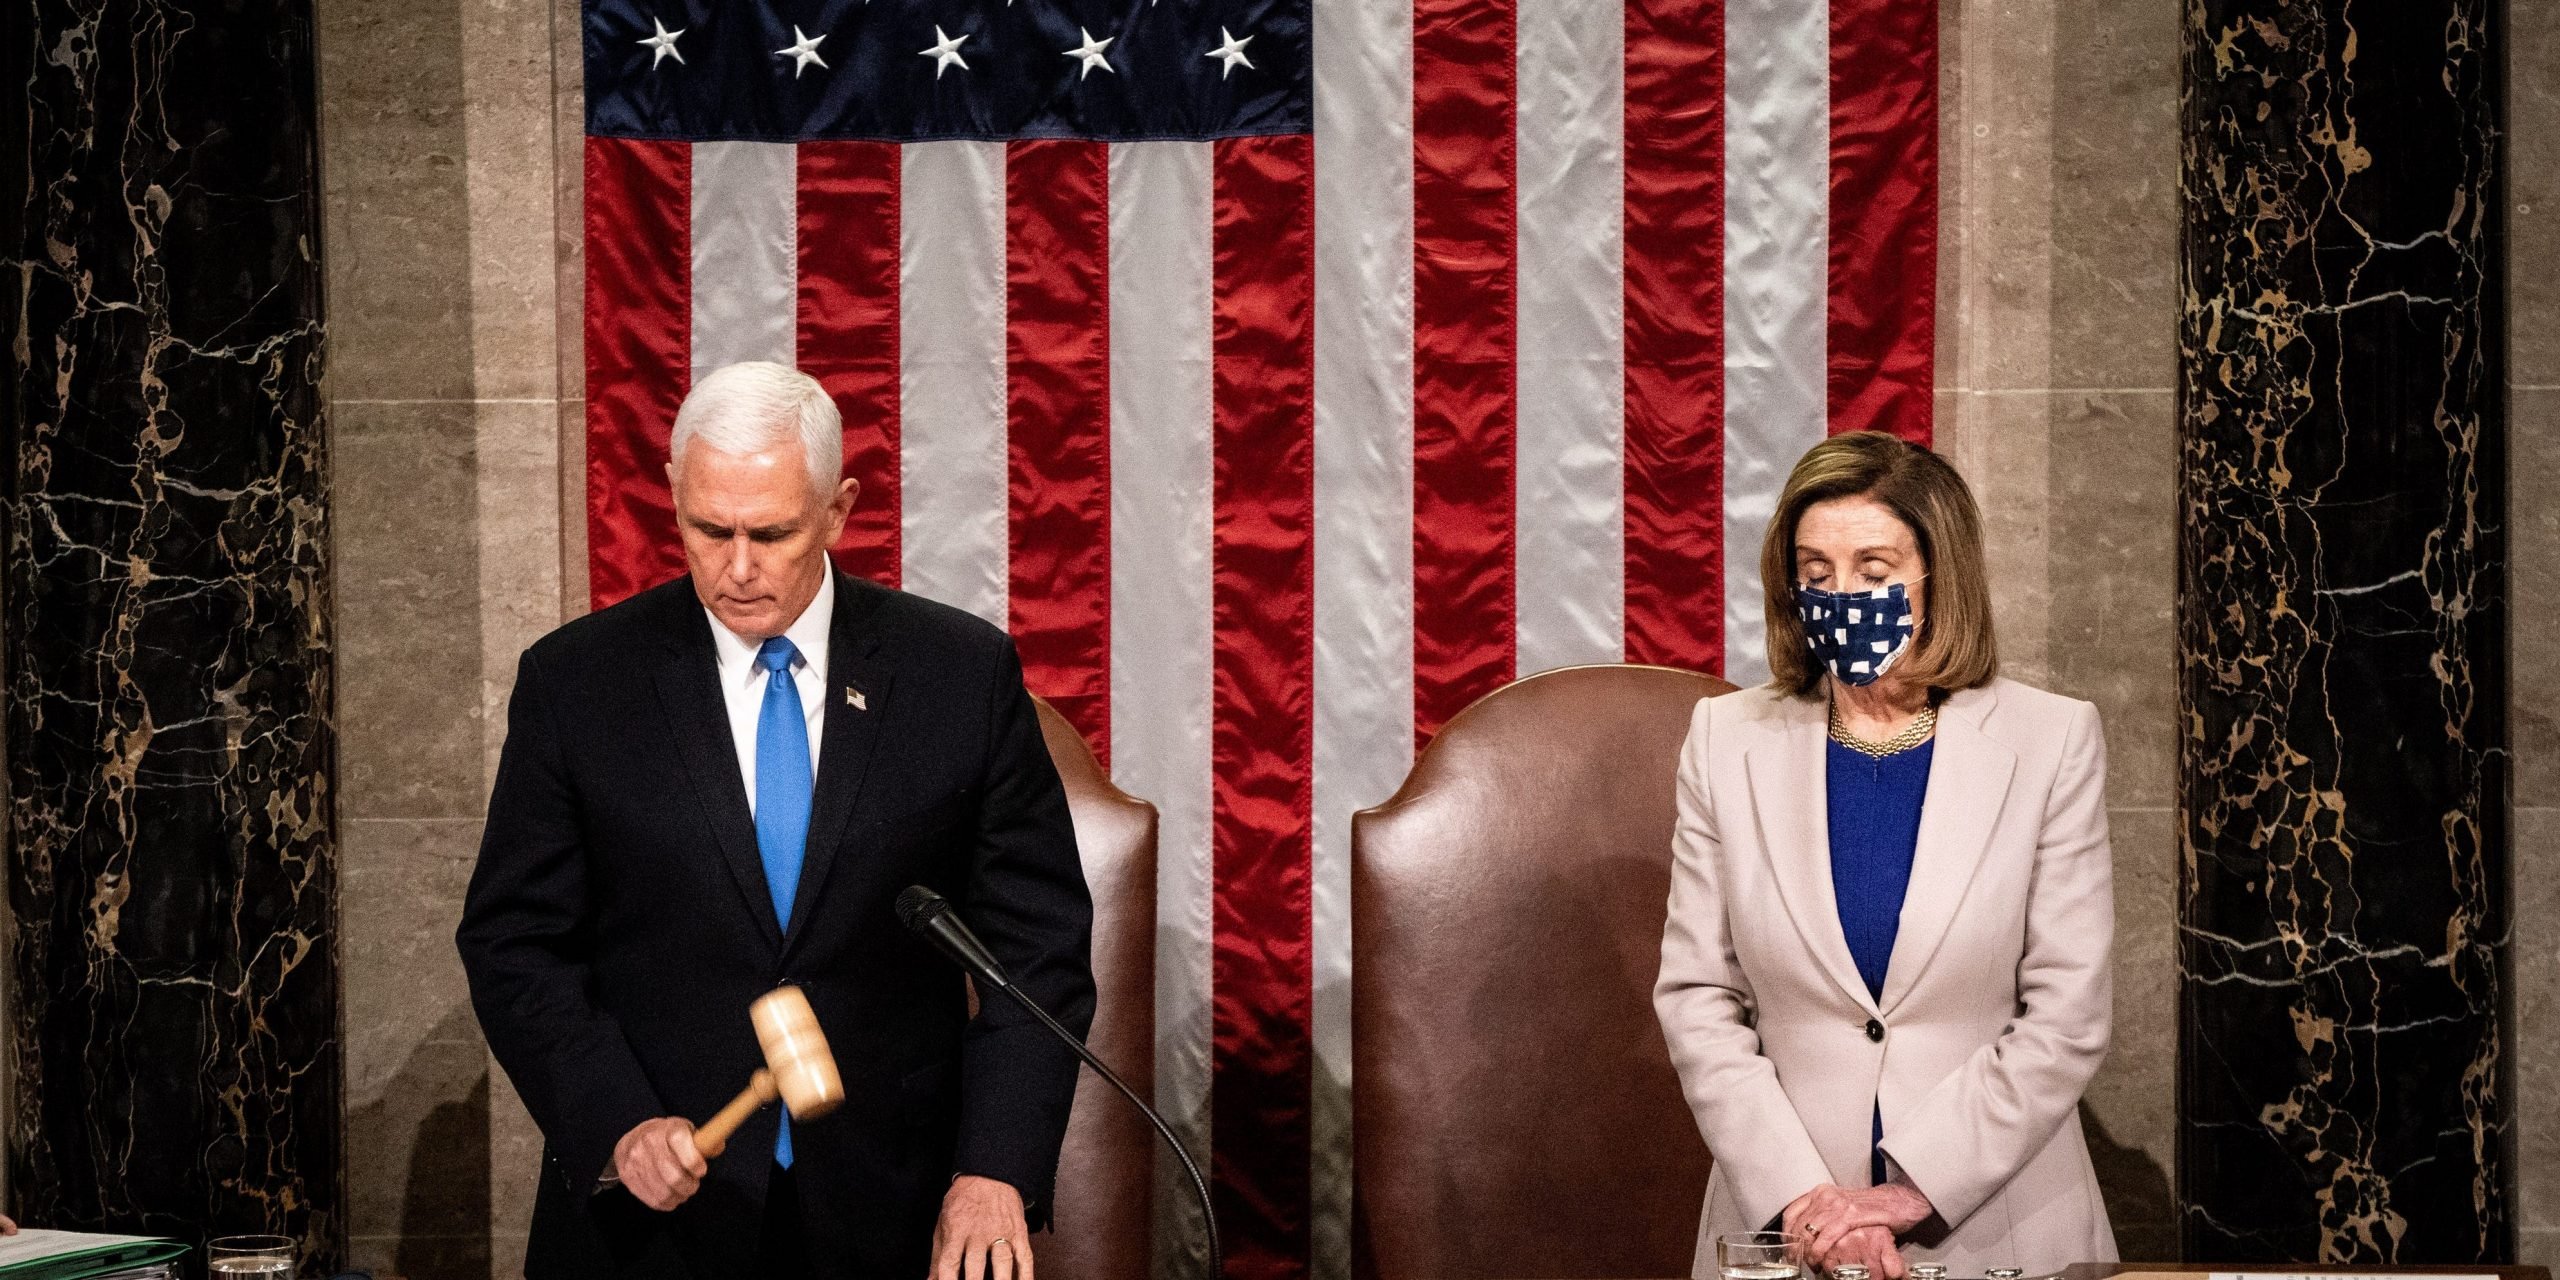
point(105, 1260)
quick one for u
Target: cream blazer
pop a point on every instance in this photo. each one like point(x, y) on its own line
point(1996, 1000)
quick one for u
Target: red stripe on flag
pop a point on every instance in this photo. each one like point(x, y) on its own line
point(639, 327)
point(1058, 422)
point(1675, 333)
point(848, 329)
point(1884, 215)
point(1262, 734)
point(1465, 331)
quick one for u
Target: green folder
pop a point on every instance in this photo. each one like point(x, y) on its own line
point(77, 1255)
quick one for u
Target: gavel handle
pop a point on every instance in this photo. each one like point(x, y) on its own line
point(713, 1137)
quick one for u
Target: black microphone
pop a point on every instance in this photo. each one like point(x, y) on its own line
point(929, 915)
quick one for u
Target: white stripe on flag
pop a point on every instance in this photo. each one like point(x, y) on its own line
point(1364, 523)
point(953, 531)
point(746, 269)
point(1571, 581)
point(1161, 646)
point(1777, 283)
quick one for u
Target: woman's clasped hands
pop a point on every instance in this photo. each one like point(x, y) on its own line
point(1840, 1226)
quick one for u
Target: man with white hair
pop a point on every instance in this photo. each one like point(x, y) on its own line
point(719, 786)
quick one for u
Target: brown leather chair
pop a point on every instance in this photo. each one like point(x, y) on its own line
point(1514, 1109)
point(1106, 1173)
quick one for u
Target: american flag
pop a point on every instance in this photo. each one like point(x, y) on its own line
point(1283, 376)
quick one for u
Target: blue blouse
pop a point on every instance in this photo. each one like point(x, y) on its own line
point(1875, 829)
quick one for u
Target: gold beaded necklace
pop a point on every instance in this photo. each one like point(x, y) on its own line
point(1912, 735)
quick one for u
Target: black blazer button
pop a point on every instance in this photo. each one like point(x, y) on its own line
point(1875, 1031)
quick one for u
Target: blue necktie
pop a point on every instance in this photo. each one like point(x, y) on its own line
point(783, 786)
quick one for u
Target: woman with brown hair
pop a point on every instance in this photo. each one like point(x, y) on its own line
point(1885, 976)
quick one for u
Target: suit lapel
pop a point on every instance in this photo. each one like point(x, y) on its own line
point(688, 680)
point(855, 705)
point(1968, 782)
point(1788, 793)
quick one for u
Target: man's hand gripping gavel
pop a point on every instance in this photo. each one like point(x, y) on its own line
point(662, 1162)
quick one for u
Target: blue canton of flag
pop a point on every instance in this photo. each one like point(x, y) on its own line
point(919, 70)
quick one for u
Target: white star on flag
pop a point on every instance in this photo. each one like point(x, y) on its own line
point(803, 51)
point(1232, 52)
point(945, 51)
point(664, 43)
point(1091, 52)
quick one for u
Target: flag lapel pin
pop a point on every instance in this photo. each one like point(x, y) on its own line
point(855, 699)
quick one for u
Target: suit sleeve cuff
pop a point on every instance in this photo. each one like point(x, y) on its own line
point(1951, 1197)
point(1035, 1204)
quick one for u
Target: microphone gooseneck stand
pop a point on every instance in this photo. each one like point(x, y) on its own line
point(929, 914)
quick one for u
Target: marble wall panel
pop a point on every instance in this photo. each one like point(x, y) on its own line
point(516, 476)
point(2058, 235)
point(1996, 196)
point(2112, 536)
point(573, 507)
point(2532, 140)
point(2132, 1130)
point(2537, 1029)
point(437, 123)
point(508, 169)
point(2533, 292)
point(407, 507)
point(1951, 188)
point(2534, 442)
point(1999, 443)
point(444, 169)
point(173, 868)
point(2114, 187)
point(2346, 1088)
point(568, 125)
point(418, 1074)
point(394, 133)
point(521, 599)
point(418, 1077)
point(2114, 595)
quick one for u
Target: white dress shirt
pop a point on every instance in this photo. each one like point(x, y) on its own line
point(742, 679)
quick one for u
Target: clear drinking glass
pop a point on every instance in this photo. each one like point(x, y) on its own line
point(1759, 1255)
point(266, 1257)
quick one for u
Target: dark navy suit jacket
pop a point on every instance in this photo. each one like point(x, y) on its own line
point(618, 926)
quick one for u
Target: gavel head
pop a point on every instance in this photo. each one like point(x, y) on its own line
point(804, 1072)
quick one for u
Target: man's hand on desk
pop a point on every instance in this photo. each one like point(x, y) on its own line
point(982, 1234)
point(657, 1163)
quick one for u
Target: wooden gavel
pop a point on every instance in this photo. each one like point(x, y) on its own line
point(798, 1069)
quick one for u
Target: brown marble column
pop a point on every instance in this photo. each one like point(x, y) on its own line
point(172, 865)
point(2345, 1068)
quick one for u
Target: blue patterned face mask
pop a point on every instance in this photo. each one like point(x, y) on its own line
point(1857, 634)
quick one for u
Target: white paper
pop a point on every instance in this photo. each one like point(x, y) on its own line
point(33, 1244)
point(2333, 1275)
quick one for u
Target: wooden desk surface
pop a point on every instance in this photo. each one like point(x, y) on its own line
point(2130, 1270)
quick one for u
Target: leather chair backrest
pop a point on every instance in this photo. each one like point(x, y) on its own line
point(1514, 1109)
point(1106, 1173)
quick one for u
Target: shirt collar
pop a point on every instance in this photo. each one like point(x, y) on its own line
point(807, 633)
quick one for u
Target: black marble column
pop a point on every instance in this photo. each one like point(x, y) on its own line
point(164, 617)
point(2345, 1071)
